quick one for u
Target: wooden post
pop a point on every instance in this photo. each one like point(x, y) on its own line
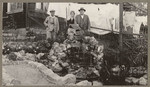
point(26, 14)
point(121, 26)
point(66, 16)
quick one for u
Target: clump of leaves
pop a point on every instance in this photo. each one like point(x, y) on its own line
point(136, 53)
point(12, 56)
point(30, 33)
point(6, 50)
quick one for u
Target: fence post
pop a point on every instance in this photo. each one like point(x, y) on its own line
point(121, 25)
point(26, 15)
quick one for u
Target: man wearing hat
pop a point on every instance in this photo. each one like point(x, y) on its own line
point(52, 26)
point(83, 20)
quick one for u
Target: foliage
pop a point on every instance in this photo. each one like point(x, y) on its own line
point(30, 33)
point(136, 52)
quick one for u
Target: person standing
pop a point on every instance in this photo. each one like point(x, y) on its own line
point(52, 26)
point(70, 22)
point(83, 20)
point(72, 19)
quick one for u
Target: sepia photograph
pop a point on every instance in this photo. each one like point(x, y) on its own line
point(74, 44)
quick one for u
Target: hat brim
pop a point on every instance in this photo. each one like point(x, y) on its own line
point(82, 9)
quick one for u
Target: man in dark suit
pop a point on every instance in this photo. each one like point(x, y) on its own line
point(83, 20)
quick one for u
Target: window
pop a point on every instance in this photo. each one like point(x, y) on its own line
point(42, 6)
point(38, 5)
point(14, 7)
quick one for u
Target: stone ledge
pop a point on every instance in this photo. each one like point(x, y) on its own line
point(7, 80)
point(52, 77)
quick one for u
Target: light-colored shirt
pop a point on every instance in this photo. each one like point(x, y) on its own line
point(82, 16)
point(51, 22)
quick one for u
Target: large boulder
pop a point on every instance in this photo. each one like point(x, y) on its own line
point(8, 80)
point(69, 79)
point(52, 77)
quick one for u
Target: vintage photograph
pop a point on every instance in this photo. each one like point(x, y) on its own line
point(74, 44)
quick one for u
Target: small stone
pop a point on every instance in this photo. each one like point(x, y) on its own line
point(61, 55)
point(132, 80)
point(145, 76)
point(22, 52)
point(68, 46)
point(129, 79)
point(53, 58)
point(65, 64)
point(40, 55)
point(135, 80)
point(57, 67)
point(96, 83)
point(56, 44)
point(84, 83)
point(30, 56)
point(63, 46)
point(19, 56)
point(58, 50)
point(100, 48)
point(51, 52)
point(142, 81)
